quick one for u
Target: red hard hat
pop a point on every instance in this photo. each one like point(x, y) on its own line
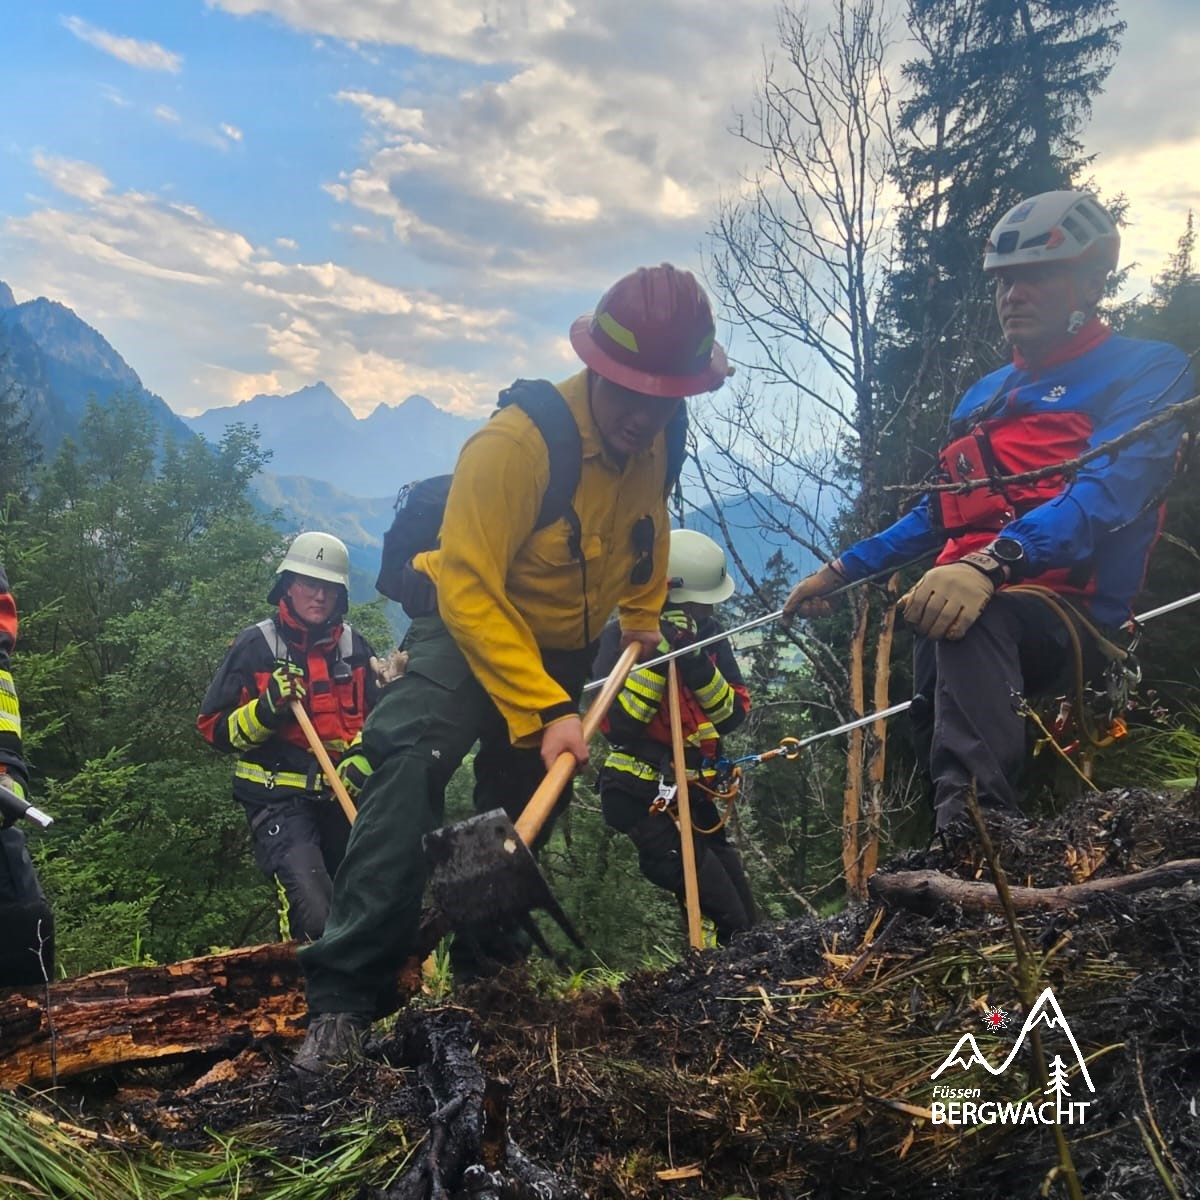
point(653, 332)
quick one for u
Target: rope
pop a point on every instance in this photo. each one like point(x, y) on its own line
point(1070, 616)
point(729, 793)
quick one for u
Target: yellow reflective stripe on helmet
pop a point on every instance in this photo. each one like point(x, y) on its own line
point(244, 727)
point(617, 331)
point(253, 773)
point(10, 709)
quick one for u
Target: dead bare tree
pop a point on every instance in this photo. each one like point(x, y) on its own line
point(799, 259)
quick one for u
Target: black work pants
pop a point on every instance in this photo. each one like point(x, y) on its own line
point(725, 897)
point(26, 922)
point(425, 722)
point(299, 843)
point(965, 715)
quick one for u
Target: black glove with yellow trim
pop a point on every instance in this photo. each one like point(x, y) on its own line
point(355, 769)
point(285, 684)
point(678, 630)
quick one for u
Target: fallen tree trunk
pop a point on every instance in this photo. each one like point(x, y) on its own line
point(923, 891)
point(218, 1003)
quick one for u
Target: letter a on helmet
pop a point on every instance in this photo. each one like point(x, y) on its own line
point(653, 332)
point(317, 555)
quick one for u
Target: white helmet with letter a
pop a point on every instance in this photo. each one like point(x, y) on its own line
point(316, 555)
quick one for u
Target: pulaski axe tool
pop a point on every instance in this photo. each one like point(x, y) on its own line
point(481, 870)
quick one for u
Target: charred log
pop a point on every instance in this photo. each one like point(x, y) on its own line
point(218, 1003)
point(923, 891)
point(468, 1151)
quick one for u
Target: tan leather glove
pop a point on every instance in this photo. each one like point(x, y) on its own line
point(807, 597)
point(392, 667)
point(947, 600)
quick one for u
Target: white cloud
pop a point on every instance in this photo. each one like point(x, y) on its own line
point(164, 112)
point(577, 155)
point(148, 56)
point(472, 30)
point(1160, 185)
point(286, 243)
point(78, 179)
point(231, 131)
point(195, 290)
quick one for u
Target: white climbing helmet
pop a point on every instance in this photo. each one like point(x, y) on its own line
point(317, 555)
point(1054, 227)
point(697, 571)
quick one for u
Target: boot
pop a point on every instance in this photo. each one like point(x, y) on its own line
point(333, 1040)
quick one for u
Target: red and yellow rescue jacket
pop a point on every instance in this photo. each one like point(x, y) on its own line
point(276, 764)
point(11, 756)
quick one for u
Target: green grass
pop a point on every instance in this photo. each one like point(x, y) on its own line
point(44, 1158)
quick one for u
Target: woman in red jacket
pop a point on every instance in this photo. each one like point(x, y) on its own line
point(305, 652)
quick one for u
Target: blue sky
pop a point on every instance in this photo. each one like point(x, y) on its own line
point(405, 196)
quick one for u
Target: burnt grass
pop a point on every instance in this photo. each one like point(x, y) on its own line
point(796, 1062)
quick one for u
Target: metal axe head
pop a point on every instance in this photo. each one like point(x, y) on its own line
point(480, 871)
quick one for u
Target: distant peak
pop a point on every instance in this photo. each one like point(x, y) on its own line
point(7, 299)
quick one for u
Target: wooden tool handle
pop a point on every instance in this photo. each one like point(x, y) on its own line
point(541, 803)
point(691, 885)
point(318, 748)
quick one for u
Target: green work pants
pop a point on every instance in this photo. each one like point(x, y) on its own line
point(420, 730)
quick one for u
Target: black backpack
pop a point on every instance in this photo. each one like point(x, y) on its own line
point(420, 506)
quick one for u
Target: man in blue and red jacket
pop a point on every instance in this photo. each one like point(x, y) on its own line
point(304, 653)
point(1073, 385)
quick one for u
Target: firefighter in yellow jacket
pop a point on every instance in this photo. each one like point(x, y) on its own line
point(519, 608)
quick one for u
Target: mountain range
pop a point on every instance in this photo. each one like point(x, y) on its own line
point(329, 469)
point(58, 362)
point(313, 433)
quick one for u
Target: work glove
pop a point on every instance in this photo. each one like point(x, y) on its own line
point(390, 668)
point(285, 685)
point(807, 598)
point(947, 600)
point(355, 768)
point(678, 628)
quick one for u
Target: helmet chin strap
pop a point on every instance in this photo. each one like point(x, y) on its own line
point(1078, 318)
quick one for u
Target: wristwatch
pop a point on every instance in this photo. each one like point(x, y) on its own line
point(1000, 562)
point(1010, 552)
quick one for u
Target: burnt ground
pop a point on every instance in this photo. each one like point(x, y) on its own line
point(795, 1063)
